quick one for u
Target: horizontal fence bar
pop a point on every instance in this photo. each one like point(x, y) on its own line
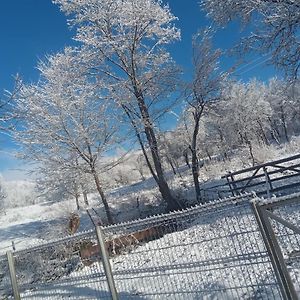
point(271, 163)
point(274, 189)
point(283, 222)
point(263, 175)
point(280, 201)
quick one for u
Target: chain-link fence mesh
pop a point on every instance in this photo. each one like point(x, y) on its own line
point(5, 286)
point(288, 209)
point(214, 251)
point(57, 271)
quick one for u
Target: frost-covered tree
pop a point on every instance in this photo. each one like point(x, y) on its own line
point(123, 43)
point(55, 182)
point(140, 166)
point(294, 96)
point(173, 147)
point(2, 195)
point(205, 88)
point(4, 115)
point(274, 27)
point(65, 120)
point(7, 116)
point(218, 138)
point(248, 113)
point(284, 99)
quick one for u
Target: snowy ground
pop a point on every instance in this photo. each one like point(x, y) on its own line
point(34, 224)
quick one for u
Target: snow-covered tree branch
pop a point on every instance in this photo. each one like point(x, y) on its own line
point(68, 123)
point(205, 88)
point(274, 27)
point(123, 42)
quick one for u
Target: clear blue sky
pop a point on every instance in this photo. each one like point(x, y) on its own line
point(30, 29)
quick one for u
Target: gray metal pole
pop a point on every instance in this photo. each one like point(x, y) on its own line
point(12, 273)
point(268, 185)
point(106, 263)
point(284, 280)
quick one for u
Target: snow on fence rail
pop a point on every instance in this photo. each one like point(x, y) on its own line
point(278, 177)
point(210, 251)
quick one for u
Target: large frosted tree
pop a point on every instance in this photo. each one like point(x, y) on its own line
point(67, 121)
point(123, 42)
point(274, 27)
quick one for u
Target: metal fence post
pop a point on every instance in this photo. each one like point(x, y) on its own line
point(268, 182)
point(12, 273)
point(106, 263)
point(284, 280)
point(231, 183)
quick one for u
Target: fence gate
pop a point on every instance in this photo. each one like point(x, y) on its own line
point(279, 222)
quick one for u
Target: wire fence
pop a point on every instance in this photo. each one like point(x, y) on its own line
point(57, 271)
point(212, 251)
point(217, 252)
point(284, 217)
point(288, 240)
point(5, 286)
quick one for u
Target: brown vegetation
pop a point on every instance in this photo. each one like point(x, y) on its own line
point(115, 246)
point(74, 222)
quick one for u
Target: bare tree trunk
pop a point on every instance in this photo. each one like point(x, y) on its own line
point(263, 134)
point(141, 174)
point(103, 198)
point(223, 143)
point(160, 179)
point(186, 158)
point(208, 154)
point(164, 189)
point(76, 194)
point(85, 198)
point(84, 193)
point(195, 171)
point(248, 142)
point(137, 133)
point(77, 201)
point(171, 164)
point(274, 131)
point(284, 124)
point(195, 161)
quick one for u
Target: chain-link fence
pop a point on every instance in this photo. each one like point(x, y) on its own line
point(5, 286)
point(216, 252)
point(288, 239)
point(281, 226)
point(213, 251)
point(57, 271)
